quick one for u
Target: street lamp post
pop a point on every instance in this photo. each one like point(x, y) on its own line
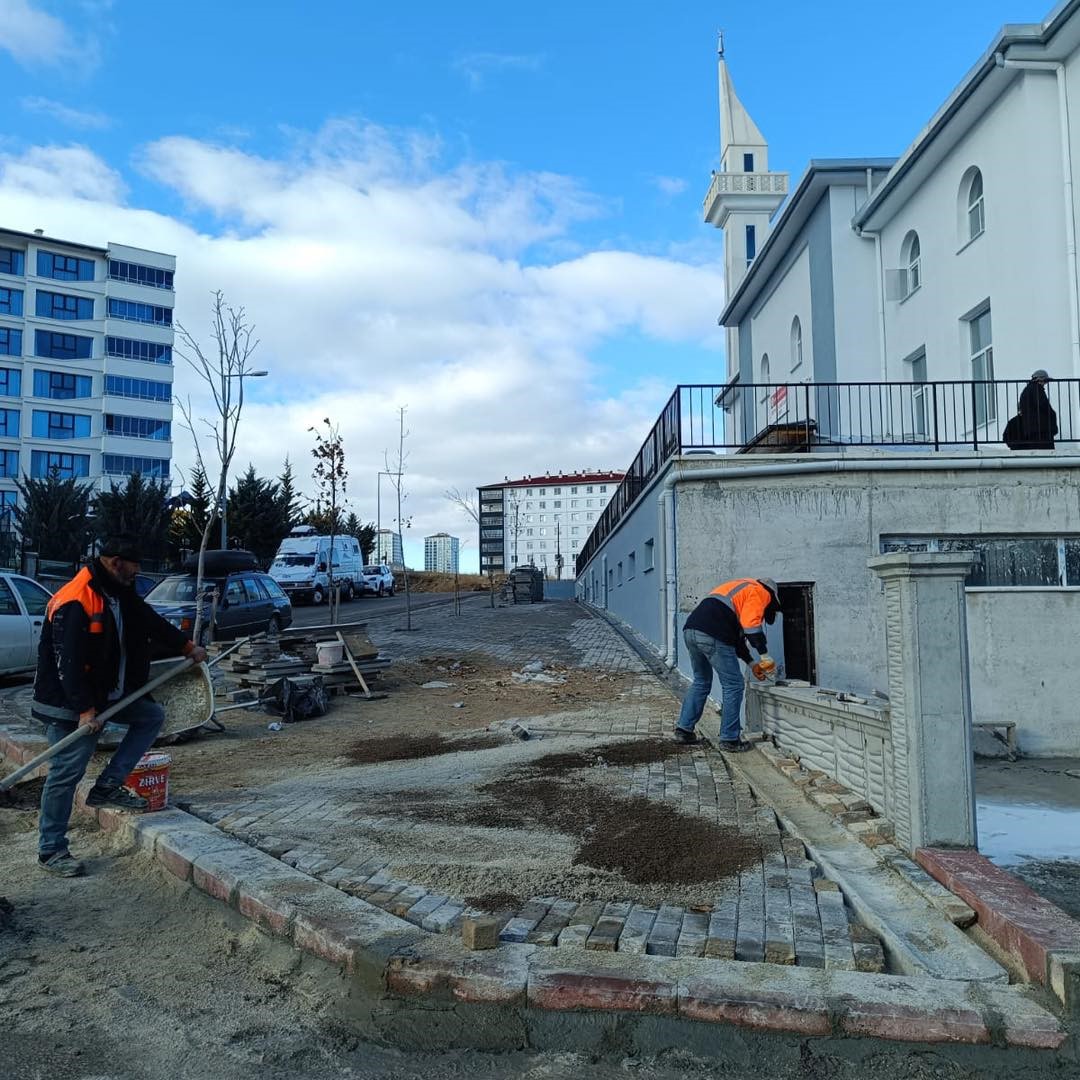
point(378, 519)
point(241, 375)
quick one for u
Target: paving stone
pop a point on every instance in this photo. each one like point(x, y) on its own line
point(750, 936)
point(839, 954)
point(636, 929)
point(581, 924)
point(664, 936)
point(547, 930)
point(721, 934)
point(444, 918)
point(693, 934)
point(480, 931)
point(526, 920)
point(386, 894)
point(405, 899)
point(779, 929)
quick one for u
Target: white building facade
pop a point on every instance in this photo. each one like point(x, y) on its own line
point(86, 372)
point(442, 553)
point(541, 521)
point(956, 261)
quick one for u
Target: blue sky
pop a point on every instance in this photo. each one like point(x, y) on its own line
point(464, 201)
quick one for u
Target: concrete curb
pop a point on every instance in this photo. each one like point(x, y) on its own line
point(392, 956)
point(1041, 937)
point(396, 961)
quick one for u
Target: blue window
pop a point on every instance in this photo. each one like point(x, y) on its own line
point(10, 342)
point(8, 501)
point(10, 382)
point(131, 349)
point(54, 305)
point(9, 423)
point(9, 464)
point(144, 389)
point(61, 384)
point(748, 162)
point(60, 425)
point(64, 267)
point(62, 346)
point(751, 243)
point(138, 427)
point(10, 301)
point(11, 261)
point(45, 463)
point(125, 465)
point(138, 274)
point(133, 311)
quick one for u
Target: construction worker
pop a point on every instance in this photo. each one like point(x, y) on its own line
point(717, 634)
point(95, 649)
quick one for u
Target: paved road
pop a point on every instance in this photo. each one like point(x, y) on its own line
point(370, 607)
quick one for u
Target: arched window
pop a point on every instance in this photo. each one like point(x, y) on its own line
point(796, 343)
point(765, 376)
point(972, 206)
point(911, 260)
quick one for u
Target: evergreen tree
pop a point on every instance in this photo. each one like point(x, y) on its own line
point(257, 518)
point(187, 523)
point(138, 507)
point(324, 522)
point(53, 516)
point(292, 505)
point(365, 536)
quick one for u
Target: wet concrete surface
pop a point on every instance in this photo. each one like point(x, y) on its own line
point(1029, 823)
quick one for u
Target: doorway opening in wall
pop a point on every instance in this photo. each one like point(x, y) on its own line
point(800, 659)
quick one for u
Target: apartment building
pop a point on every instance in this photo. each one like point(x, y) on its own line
point(388, 548)
point(441, 553)
point(541, 521)
point(86, 351)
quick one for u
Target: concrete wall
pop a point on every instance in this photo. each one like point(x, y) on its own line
point(822, 528)
point(1023, 648)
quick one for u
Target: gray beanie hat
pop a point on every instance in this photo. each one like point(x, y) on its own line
point(1040, 374)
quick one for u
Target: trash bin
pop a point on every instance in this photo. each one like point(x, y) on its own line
point(528, 584)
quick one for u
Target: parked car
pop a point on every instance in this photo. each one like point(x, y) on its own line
point(249, 601)
point(379, 579)
point(22, 612)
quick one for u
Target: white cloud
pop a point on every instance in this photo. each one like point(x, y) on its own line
point(378, 278)
point(65, 114)
point(33, 36)
point(670, 185)
point(478, 66)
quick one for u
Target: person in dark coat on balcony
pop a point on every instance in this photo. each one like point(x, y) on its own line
point(1038, 421)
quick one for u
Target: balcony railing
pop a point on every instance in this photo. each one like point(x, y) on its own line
point(788, 418)
point(733, 183)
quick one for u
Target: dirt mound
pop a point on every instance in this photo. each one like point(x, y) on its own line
point(495, 902)
point(639, 752)
point(24, 796)
point(411, 747)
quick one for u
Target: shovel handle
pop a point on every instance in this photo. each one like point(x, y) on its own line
point(79, 732)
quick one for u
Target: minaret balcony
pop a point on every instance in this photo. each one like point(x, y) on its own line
point(734, 191)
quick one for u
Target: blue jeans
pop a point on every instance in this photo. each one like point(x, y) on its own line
point(706, 656)
point(143, 719)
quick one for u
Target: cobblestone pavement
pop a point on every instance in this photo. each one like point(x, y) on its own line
point(779, 910)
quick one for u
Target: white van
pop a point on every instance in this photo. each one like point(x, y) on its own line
point(301, 565)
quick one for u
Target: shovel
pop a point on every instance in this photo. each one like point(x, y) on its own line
point(79, 732)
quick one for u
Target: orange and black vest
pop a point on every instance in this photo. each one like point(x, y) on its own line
point(79, 652)
point(734, 613)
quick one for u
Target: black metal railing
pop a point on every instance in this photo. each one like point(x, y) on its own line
point(777, 418)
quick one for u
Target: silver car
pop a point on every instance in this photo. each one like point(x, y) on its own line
point(22, 612)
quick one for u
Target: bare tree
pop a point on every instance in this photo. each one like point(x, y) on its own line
point(396, 474)
point(223, 375)
point(468, 505)
point(330, 476)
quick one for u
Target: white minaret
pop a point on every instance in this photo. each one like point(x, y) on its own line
point(743, 195)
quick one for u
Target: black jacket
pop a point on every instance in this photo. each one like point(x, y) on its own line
point(77, 669)
point(713, 617)
point(1038, 421)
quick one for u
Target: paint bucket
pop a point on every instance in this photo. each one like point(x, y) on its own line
point(150, 779)
point(330, 652)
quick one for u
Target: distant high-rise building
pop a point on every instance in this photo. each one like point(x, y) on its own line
point(388, 548)
point(541, 521)
point(86, 353)
point(441, 553)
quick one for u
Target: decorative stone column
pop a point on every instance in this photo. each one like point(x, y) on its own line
point(929, 697)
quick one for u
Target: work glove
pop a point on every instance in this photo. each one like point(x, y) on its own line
point(764, 667)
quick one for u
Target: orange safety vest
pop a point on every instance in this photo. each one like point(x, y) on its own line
point(78, 589)
point(748, 599)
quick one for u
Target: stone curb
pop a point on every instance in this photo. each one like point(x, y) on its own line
point(390, 956)
point(406, 962)
point(1038, 934)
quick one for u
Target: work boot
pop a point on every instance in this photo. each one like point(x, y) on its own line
point(734, 746)
point(61, 863)
point(687, 737)
point(118, 797)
